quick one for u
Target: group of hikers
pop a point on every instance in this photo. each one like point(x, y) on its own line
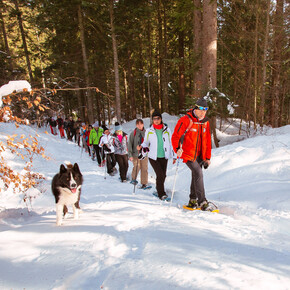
point(190, 141)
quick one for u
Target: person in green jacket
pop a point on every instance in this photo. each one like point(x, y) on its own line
point(95, 135)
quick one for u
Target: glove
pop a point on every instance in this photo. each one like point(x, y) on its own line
point(145, 149)
point(205, 164)
point(143, 153)
point(106, 148)
point(141, 156)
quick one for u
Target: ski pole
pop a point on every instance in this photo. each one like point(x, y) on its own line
point(175, 177)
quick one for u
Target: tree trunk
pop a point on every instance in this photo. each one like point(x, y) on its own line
point(20, 23)
point(197, 43)
point(131, 87)
point(209, 43)
point(164, 80)
point(181, 91)
point(151, 94)
point(116, 69)
point(264, 67)
point(126, 111)
point(278, 40)
point(159, 55)
point(256, 66)
point(90, 103)
point(209, 54)
point(6, 45)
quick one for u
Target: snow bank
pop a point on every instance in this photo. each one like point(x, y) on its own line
point(127, 241)
point(17, 86)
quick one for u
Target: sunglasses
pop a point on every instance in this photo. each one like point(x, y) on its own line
point(202, 108)
point(156, 118)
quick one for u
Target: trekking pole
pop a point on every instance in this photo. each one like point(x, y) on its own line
point(139, 143)
point(105, 165)
point(175, 177)
point(134, 189)
point(178, 158)
point(82, 147)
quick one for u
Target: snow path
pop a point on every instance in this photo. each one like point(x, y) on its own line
point(126, 241)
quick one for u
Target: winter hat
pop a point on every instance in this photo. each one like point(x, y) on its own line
point(202, 102)
point(105, 128)
point(156, 113)
point(96, 124)
point(118, 127)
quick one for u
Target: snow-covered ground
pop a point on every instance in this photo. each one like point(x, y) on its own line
point(134, 241)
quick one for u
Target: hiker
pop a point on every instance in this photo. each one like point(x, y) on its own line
point(191, 140)
point(157, 144)
point(121, 151)
point(136, 139)
point(95, 135)
point(59, 122)
point(106, 143)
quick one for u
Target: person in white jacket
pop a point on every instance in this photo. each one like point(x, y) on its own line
point(157, 143)
point(106, 142)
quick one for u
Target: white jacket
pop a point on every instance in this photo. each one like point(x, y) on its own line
point(108, 140)
point(150, 141)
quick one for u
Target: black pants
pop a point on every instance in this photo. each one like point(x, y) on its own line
point(111, 162)
point(160, 168)
point(123, 165)
point(197, 186)
point(98, 152)
point(73, 134)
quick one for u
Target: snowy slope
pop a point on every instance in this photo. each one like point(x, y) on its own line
point(126, 241)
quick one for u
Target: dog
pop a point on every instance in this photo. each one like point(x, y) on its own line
point(66, 188)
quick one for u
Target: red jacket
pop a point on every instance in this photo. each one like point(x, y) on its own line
point(197, 140)
point(87, 137)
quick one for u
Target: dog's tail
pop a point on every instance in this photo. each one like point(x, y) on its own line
point(68, 164)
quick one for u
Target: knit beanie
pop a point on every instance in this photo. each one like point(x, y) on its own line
point(118, 127)
point(156, 113)
point(202, 102)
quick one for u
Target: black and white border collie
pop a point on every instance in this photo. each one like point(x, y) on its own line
point(66, 188)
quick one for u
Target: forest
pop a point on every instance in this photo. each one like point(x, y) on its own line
point(105, 59)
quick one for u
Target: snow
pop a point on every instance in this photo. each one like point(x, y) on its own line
point(17, 86)
point(126, 241)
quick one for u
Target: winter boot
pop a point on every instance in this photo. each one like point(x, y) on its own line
point(192, 204)
point(164, 196)
point(205, 206)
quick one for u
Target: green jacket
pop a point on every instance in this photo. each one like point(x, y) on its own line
point(95, 136)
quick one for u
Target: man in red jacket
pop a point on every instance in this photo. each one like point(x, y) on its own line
point(191, 140)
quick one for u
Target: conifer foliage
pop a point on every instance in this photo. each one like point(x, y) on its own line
point(151, 54)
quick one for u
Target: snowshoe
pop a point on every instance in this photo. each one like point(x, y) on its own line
point(164, 197)
point(204, 206)
point(193, 204)
point(134, 182)
point(144, 186)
